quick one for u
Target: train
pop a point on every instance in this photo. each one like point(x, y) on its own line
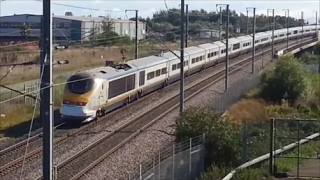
point(91, 94)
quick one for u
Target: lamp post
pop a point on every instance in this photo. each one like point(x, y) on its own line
point(287, 10)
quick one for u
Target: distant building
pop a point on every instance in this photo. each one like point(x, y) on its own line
point(66, 28)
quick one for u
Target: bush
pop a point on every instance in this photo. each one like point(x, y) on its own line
point(223, 144)
point(288, 80)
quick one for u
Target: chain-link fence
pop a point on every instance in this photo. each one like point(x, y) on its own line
point(182, 161)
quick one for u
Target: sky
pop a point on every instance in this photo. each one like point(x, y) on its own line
point(147, 8)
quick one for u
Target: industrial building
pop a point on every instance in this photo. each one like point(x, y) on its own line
point(66, 28)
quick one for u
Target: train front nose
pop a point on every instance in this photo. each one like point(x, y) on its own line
point(76, 113)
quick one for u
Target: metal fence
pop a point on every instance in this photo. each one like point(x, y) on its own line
point(286, 131)
point(182, 161)
point(21, 100)
point(221, 101)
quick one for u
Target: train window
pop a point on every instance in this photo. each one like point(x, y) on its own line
point(178, 65)
point(80, 83)
point(158, 72)
point(197, 59)
point(209, 55)
point(236, 46)
point(223, 51)
point(193, 60)
point(163, 70)
point(200, 58)
point(174, 67)
point(150, 75)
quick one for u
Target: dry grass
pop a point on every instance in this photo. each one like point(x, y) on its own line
point(81, 58)
point(13, 118)
point(247, 110)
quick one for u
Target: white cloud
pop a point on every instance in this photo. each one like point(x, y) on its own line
point(148, 7)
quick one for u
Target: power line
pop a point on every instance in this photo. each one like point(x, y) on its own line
point(79, 7)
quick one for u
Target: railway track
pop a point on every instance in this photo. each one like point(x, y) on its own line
point(15, 163)
point(14, 151)
point(86, 159)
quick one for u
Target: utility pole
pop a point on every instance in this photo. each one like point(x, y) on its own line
point(273, 28)
point(227, 47)
point(316, 21)
point(253, 37)
point(247, 22)
point(302, 26)
point(136, 36)
point(287, 10)
point(187, 24)
point(182, 59)
point(46, 104)
point(220, 25)
point(93, 33)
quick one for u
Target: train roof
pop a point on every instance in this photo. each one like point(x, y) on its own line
point(108, 72)
point(232, 40)
point(244, 38)
point(147, 61)
point(193, 50)
point(208, 46)
point(261, 35)
point(220, 44)
point(170, 56)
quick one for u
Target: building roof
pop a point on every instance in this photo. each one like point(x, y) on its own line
point(75, 18)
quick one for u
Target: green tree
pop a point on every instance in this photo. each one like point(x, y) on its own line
point(171, 36)
point(222, 138)
point(108, 37)
point(287, 80)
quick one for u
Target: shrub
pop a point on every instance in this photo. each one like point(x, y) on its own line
point(288, 80)
point(222, 138)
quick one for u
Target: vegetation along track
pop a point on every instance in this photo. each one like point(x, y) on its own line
point(36, 153)
point(88, 158)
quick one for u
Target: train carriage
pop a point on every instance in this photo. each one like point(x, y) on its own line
point(212, 53)
point(92, 93)
point(246, 43)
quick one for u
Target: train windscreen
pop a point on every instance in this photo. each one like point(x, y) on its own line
point(80, 83)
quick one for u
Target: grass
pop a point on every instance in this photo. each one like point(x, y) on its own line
point(306, 151)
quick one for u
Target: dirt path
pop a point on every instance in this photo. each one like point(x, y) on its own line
point(310, 168)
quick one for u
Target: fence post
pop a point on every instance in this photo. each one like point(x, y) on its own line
point(25, 92)
point(190, 165)
point(271, 146)
point(173, 162)
point(140, 171)
point(154, 165)
point(159, 174)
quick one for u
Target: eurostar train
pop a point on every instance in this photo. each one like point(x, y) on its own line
point(92, 93)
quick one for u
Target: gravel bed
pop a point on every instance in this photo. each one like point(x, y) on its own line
point(139, 150)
